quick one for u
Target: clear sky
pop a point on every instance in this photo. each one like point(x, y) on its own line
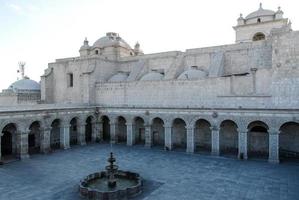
point(39, 31)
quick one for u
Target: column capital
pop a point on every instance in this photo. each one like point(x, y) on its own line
point(129, 124)
point(167, 126)
point(82, 124)
point(188, 127)
point(273, 131)
point(47, 128)
point(65, 126)
point(214, 128)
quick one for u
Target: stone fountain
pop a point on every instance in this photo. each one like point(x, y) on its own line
point(111, 184)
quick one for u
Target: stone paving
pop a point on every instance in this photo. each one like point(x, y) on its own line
point(168, 175)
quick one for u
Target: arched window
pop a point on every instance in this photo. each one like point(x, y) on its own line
point(258, 20)
point(258, 36)
point(96, 52)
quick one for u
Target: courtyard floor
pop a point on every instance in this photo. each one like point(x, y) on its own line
point(168, 175)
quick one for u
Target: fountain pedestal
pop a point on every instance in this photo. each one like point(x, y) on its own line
point(112, 184)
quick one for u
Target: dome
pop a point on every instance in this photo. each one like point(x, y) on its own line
point(192, 74)
point(24, 84)
point(152, 76)
point(119, 77)
point(111, 39)
point(260, 13)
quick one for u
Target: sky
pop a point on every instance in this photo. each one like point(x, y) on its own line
point(40, 31)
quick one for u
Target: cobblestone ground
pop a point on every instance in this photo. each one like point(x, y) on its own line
point(168, 175)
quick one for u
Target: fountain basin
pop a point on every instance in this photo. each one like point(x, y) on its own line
point(94, 186)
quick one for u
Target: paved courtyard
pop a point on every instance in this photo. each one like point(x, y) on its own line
point(168, 175)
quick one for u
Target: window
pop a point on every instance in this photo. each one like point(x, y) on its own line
point(258, 36)
point(70, 80)
point(259, 20)
point(97, 52)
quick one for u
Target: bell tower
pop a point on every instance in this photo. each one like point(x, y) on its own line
point(259, 24)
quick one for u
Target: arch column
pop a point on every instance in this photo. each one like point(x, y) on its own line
point(242, 144)
point(22, 138)
point(65, 136)
point(148, 136)
point(1, 134)
point(130, 134)
point(45, 144)
point(190, 139)
point(98, 131)
point(273, 146)
point(81, 138)
point(168, 136)
point(215, 140)
point(113, 138)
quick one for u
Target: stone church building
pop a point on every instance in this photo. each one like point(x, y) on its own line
point(240, 99)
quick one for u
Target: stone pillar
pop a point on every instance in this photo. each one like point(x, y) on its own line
point(23, 144)
point(65, 136)
point(215, 140)
point(113, 136)
point(1, 134)
point(45, 145)
point(148, 136)
point(82, 140)
point(130, 134)
point(242, 144)
point(101, 132)
point(96, 126)
point(273, 146)
point(168, 137)
point(190, 139)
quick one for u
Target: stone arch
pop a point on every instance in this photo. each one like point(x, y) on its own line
point(288, 141)
point(74, 130)
point(179, 133)
point(258, 36)
point(258, 139)
point(158, 131)
point(9, 141)
point(228, 137)
point(34, 137)
point(121, 132)
point(105, 128)
point(195, 119)
point(139, 130)
point(202, 135)
point(89, 129)
point(55, 134)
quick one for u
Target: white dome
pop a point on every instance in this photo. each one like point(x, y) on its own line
point(119, 77)
point(192, 74)
point(260, 13)
point(24, 84)
point(152, 76)
point(111, 39)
